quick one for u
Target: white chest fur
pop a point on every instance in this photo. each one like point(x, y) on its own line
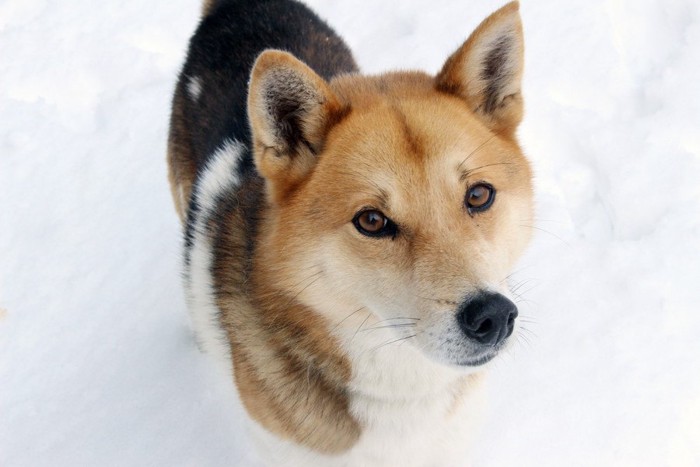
point(413, 412)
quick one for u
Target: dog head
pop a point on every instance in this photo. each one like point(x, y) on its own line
point(403, 196)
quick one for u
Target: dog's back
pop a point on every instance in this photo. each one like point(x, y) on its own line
point(214, 80)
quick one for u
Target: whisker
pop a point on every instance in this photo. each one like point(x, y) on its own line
point(514, 273)
point(400, 317)
point(459, 167)
point(437, 300)
point(518, 297)
point(302, 290)
point(529, 331)
point(348, 316)
point(521, 338)
point(520, 284)
point(529, 289)
point(548, 232)
point(392, 342)
point(361, 324)
point(471, 172)
point(282, 293)
point(403, 325)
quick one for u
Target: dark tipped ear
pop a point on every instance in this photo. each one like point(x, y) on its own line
point(290, 109)
point(487, 70)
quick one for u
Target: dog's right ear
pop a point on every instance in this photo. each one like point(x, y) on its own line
point(291, 110)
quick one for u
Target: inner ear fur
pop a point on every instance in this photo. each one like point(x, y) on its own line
point(290, 109)
point(487, 69)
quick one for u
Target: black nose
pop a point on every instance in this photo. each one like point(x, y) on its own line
point(487, 318)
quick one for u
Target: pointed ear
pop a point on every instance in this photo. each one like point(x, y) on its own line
point(487, 70)
point(290, 109)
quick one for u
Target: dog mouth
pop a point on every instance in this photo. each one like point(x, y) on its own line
point(478, 361)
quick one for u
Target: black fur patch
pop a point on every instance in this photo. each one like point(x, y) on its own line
point(221, 55)
point(192, 215)
point(497, 72)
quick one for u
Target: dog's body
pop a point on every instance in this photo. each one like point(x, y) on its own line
point(345, 250)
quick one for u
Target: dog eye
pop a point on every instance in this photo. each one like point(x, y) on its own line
point(479, 197)
point(374, 223)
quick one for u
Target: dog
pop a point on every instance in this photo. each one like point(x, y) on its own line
point(348, 238)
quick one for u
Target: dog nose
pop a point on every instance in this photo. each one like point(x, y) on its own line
point(488, 318)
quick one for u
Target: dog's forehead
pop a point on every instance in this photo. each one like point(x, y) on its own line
point(413, 143)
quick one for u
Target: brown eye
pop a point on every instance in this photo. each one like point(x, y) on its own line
point(374, 223)
point(479, 197)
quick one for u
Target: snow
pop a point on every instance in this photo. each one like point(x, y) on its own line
point(97, 362)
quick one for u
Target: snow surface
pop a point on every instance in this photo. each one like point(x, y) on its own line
point(97, 362)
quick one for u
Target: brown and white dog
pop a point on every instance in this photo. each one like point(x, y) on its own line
point(348, 237)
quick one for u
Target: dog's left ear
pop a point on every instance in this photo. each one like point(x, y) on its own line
point(291, 109)
point(487, 70)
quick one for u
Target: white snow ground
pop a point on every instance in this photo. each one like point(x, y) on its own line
point(97, 363)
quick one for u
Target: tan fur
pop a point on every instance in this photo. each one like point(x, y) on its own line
point(421, 138)
point(207, 6)
point(181, 163)
point(288, 370)
point(424, 141)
